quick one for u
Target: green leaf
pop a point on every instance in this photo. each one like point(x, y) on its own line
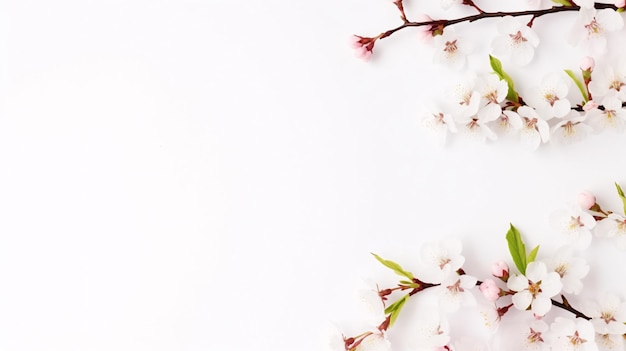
point(532, 255)
point(394, 266)
point(517, 248)
point(496, 65)
point(562, 2)
point(397, 308)
point(621, 195)
point(579, 84)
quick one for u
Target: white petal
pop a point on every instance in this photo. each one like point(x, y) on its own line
point(517, 282)
point(522, 299)
point(536, 271)
point(541, 305)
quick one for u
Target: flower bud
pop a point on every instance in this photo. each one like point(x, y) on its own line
point(620, 3)
point(586, 200)
point(587, 64)
point(490, 290)
point(590, 105)
point(500, 270)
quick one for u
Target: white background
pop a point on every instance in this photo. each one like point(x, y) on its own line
point(212, 175)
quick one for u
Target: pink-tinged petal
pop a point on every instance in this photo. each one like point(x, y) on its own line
point(541, 305)
point(522, 300)
point(536, 271)
point(517, 283)
point(585, 329)
point(563, 326)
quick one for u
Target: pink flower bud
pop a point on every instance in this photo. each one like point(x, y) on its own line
point(620, 3)
point(490, 290)
point(590, 105)
point(587, 64)
point(586, 200)
point(500, 270)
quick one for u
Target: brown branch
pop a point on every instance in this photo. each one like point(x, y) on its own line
point(482, 15)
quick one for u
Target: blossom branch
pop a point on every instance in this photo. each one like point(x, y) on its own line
point(483, 15)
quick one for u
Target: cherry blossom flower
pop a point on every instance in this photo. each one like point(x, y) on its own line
point(535, 289)
point(570, 269)
point(455, 291)
point(464, 99)
point(592, 26)
point(439, 123)
point(508, 123)
point(609, 81)
point(550, 98)
point(570, 130)
point(439, 260)
point(573, 335)
point(372, 304)
point(614, 226)
point(575, 225)
point(516, 40)
point(608, 315)
point(425, 33)
point(534, 130)
point(535, 336)
point(451, 49)
point(490, 290)
point(610, 342)
point(493, 91)
point(431, 331)
point(491, 316)
point(612, 117)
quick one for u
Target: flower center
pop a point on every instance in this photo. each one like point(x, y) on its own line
point(621, 226)
point(617, 85)
point(551, 98)
point(575, 223)
point(492, 97)
point(518, 38)
point(504, 121)
point(451, 47)
point(534, 288)
point(569, 130)
point(443, 261)
point(439, 118)
point(608, 317)
point(456, 288)
point(593, 27)
point(576, 339)
point(473, 124)
point(561, 269)
point(530, 123)
point(534, 336)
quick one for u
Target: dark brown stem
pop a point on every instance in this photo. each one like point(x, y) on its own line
point(483, 15)
point(569, 308)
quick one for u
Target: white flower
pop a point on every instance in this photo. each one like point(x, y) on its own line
point(570, 335)
point(550, 98)
point(492, 90)
point(614, 226)
point(516, 41)
point(439, 260)
point(373, 308)
point(491, 316)
point(454, 291)
point(431, 332)
point(508, 123)
point(592, 26)
point(464, 99)
point(570, 130)
point(574, 225)
point(612, 117)
point(439, 123)
point(535, 289)
point(607, 316)
point(534, 128)
point(610, 342)
point(570, 269)
point(451, 49)
point(377, 341)
point(607, 80)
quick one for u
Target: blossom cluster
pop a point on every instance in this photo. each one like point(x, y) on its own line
point(488, 106)
point(537, 285)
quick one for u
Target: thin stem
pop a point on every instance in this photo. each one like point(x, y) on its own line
point(483, 15)
point(569, 308)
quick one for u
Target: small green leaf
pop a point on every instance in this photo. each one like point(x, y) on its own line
point(394, 266)
point(395, 305)
point(579, 84)
point(496, 65)
point(621, 195)
point(517, 248)
point(532, 255)
point(397, 309)
point(562, 2)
